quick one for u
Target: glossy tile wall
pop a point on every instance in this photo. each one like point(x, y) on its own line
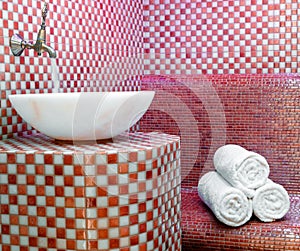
point(222, 37)
point(98, 44)
point(258, 112)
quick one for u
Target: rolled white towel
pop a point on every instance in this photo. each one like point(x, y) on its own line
point(228, 204)
point(271, 202)
point(243, 169)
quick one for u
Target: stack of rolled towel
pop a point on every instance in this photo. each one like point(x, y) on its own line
point(240, 186)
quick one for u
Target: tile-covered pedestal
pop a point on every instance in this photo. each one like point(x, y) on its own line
point(122, 194)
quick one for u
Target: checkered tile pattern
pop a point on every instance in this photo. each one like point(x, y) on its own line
point(108, 45)
point(123, 195)
point(98, 45)
point(221, 37)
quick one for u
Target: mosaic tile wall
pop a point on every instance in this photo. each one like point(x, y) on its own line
point(222, 37)
point(122, 195)
point(259, 112)
point(98, 45)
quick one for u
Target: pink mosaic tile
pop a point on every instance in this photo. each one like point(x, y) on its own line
point(221, 37)
point(96, 201)
point(259, 112)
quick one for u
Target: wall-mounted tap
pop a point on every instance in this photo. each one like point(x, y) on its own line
point(18, 44)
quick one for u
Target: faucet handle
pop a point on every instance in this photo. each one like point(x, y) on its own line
point(44, 12)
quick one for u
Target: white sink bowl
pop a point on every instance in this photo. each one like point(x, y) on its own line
point(82, 116)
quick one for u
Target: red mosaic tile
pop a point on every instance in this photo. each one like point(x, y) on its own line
point(149, 216)
point(114, 243)
point(48, 159)
point(15, 240)
point(133, 177)
point(80, 234)
point(60, 212)
point(50, 201)
point(49, 180)
point(142, 186)
point(59, 191)
point(92, 245)
point(51, 222)
point(3, 168)
point(14, 220)
point(11, 158)
point(22, 189)
point(51, 243)
point(102, 233)
point(123, 168)
point(30, 180)
point(91, 202)
point(133, 219)
point(70, 223)
point(68, 181)
point(68, 202)
point(90, 181)
point(40, 190)
point(58, 170)
point(123, 189)
point(80, 213)
point(132, 157)
point(42, 232)
point(113, 222)
point(79, 192)
point(134, 240)
point(101, 192)
point(78, 171)
point(112, 158)
point(68, 159)
point(141, 166)
point(142, 228)
point(101, 169)
point(41, 211)
point(33, 241)
point(31, 200)
point(23, 230)
point(113, 201)
point(124, 231)
point(12, 179)
point(112, 179)
point(5, 229)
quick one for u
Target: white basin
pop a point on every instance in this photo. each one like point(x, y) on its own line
point(82, 116)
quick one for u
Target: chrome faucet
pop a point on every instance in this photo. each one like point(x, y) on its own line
point(18, 44)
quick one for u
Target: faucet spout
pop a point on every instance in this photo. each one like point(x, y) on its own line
point(49, 50)
point(41, 46)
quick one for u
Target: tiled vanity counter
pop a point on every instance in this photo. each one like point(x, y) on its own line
point(116, 195)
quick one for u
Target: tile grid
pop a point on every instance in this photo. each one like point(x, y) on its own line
point(73, 30)
point(105, 197)
point(99, 48)
point(260, 112)
point(221, 37)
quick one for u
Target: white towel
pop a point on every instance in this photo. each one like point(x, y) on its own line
point(228, 204)
point(271, 202)
point(243, 169)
